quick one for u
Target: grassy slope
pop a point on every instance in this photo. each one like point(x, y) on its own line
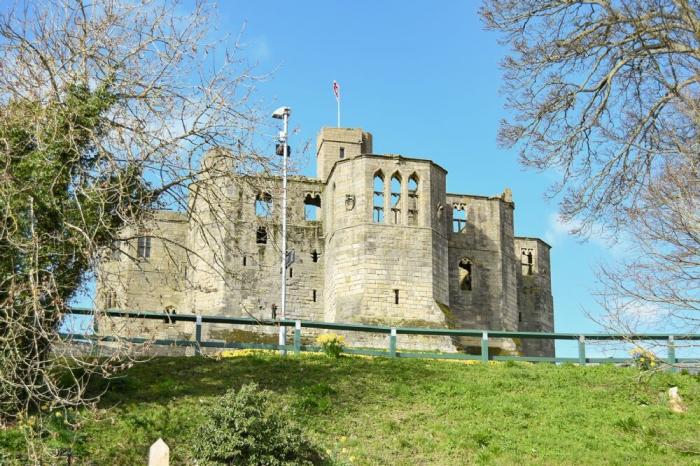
point(385, 411)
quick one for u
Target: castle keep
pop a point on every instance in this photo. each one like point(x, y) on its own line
point(376, 238)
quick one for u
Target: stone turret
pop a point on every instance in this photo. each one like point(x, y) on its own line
point(333, 144)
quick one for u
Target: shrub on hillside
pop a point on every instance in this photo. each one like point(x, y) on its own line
point(644, 360)
point(244, 428)
point(331, 344)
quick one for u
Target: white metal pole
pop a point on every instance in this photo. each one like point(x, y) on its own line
point(338, 101)
point(283, 314)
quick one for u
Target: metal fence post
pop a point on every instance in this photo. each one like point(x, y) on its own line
point(198, 335)
point(582, 350)
point(485, 347)
point(297, 337)
point(392, 342)
point(671, 358)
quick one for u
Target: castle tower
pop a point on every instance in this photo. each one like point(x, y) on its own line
point(334, 144)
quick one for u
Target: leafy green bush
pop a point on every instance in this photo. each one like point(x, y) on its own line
point(245, 429)
point(331, 344)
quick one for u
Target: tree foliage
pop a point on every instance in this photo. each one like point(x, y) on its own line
point(106, 108)
point(606, 94)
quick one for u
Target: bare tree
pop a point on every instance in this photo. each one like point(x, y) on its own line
point(106, 110)
point(605, 93)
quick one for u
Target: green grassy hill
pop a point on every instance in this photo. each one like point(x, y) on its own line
point(392, 411)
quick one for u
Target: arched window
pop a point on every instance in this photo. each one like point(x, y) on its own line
point(378, 199)
point(396, 198)
point(466, 274)
point(263, 205)
point(413, 200)
point(459, 219)
point(312, 208)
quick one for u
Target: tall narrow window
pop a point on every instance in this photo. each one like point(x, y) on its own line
point(143, 248)
point(413, 200)
point(527, 261)
point(312, 208)
point(342, 152)
point(245, 261)
point(378, 203)
point(111, 299)
point(313, 295)
point(263, 205)
point(459, 220)
point(314, 256)
point(396, 199)
point(291, 272)
point(396, 296)
point(465, 274)
point(261, 236)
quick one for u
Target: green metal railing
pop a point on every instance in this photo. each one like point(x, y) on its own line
point(392, 332)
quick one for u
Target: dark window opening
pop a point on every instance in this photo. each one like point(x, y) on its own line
point(396, 296)
point(313, 295)
point(273, 311)
point(342, 152)
point(413, 200)
point(261, 236)
point(245, 259)
point(520, 316)
point(312, 207)
point(465, 274)
point(291, 272)
point(378, 202)
point(263, 205)
point(314, 256)
point(459, 220)
point(396, 199)
point(144, 247)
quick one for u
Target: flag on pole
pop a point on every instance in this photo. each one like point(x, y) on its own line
point(336, 90)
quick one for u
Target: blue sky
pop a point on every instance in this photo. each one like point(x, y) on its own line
point(424, 78)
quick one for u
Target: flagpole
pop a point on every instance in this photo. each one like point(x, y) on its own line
point(338, 101)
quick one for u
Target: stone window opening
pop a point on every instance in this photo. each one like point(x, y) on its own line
point(261, 235)
point(396, 296)
point(143, 247)
point(342, 152)
point(396, 199)
point(466, 275)
point(527, 261)
point(291, 272)
point(459, 219)
point(111, 300)
point(413, 200)
point(378, 199)
point(314, 256)
point(520, 316)
point(245, 260)
point(263, 205)
point(313, 295)
point(312, 208)
point(116, 250)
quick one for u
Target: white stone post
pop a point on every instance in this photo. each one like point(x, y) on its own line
point(159, 454)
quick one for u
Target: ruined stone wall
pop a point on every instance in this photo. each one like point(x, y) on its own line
point(153, 283)
point(348, 266)
point(535, 303)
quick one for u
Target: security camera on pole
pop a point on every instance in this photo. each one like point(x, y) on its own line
point(283, 113)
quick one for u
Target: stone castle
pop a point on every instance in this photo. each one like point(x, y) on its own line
point(376, 240)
